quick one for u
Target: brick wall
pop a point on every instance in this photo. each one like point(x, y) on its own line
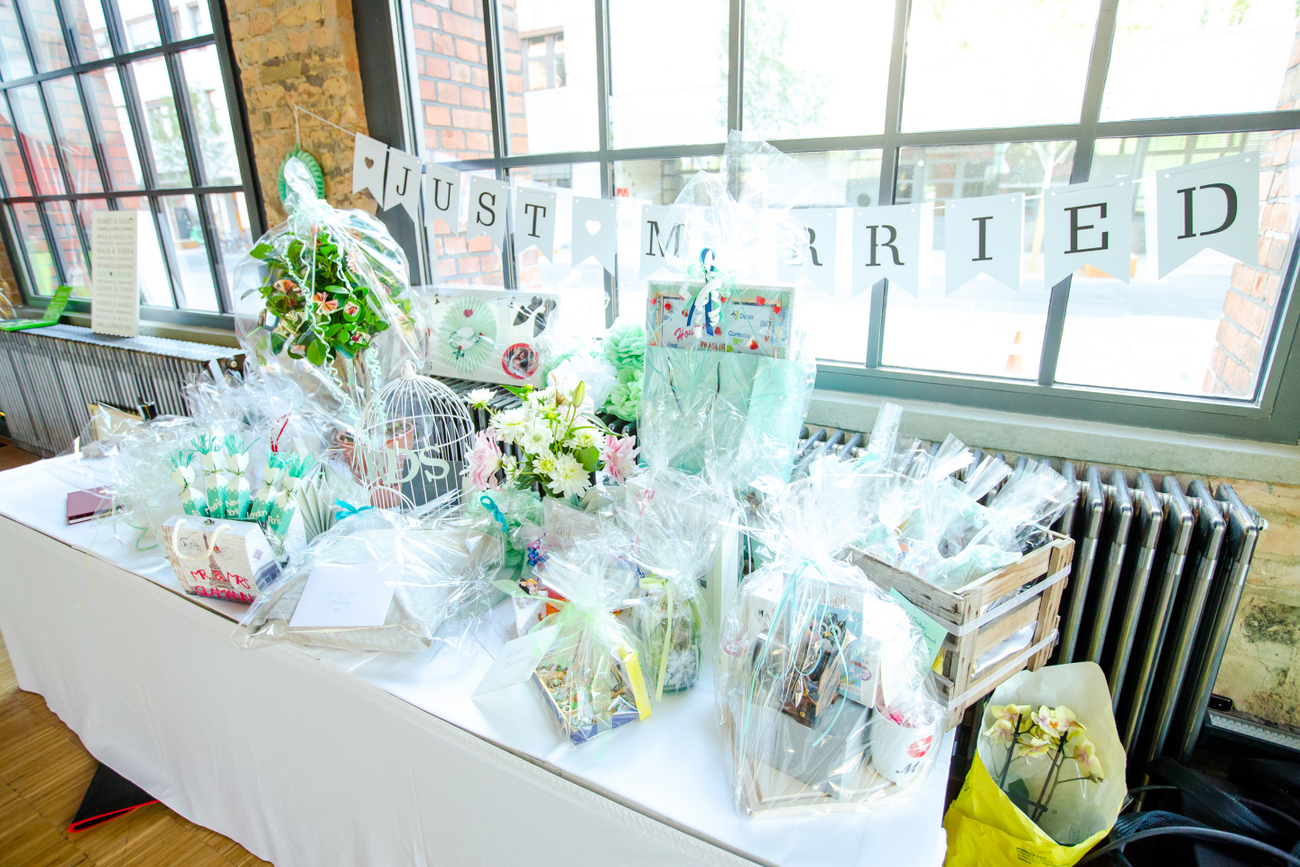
point(1253, 292)
point(305, 53)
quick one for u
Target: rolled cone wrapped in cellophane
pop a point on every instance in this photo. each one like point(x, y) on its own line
point(676, 522)
point(823, 680)
point(592, 677)
point(435, 565)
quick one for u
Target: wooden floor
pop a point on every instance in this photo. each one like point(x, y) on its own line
point(44, 771)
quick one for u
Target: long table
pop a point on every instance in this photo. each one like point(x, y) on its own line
point(319, 757)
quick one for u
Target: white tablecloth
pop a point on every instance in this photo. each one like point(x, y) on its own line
point(326, 757)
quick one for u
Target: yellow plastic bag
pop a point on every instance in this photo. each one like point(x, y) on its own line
point(986, 830)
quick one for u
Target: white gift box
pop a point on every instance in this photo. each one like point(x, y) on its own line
point(222, 559)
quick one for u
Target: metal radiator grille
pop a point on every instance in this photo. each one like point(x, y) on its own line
point(1157, 576)
point(48, 376)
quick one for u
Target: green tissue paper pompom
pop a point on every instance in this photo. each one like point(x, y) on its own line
point(625, 346)
point(625, 399)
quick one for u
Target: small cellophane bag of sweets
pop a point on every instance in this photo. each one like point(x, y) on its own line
point(823, 680)
point(676, 522)
point(591, 676)
point(382, 580)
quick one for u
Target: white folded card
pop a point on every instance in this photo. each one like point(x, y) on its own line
point(346, 596)
point(517, 660)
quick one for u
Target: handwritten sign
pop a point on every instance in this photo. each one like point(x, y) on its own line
point(346, 596)
point(114, 295)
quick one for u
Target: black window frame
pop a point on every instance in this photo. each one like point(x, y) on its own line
point(1271, 414)
point(170, 48)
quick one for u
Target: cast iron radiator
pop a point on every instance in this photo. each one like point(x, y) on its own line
point(49, 376)
point(1158, 572)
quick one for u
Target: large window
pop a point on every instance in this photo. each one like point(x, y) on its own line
point(905, 101)
point(123, 105)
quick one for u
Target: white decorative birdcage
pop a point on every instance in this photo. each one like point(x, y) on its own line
point(412, 443)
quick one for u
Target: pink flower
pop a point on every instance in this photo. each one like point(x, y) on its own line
point(619, 455)
point(484, 461)
point(330, 306)
point(319, 297)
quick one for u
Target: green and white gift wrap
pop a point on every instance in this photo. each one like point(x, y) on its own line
point(238, 494)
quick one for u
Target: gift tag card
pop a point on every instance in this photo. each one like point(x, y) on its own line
point(517, 660)
point(934, 633)
point(346, 596)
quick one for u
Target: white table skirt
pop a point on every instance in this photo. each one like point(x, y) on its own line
point(325, 757)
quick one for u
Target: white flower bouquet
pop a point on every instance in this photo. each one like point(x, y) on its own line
point(561, 441)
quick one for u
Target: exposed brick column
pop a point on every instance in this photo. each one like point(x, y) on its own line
point(1253, 293)
point(304, 53)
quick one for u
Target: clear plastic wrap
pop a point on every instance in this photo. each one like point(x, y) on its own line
point(324, 300)
point(438, 563)
point(676, 521)
point(823, 680)
point(592, 677)
point(727, 380)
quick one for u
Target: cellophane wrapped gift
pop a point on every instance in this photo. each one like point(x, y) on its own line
point(676, 522)
point(592, 677)
point(438, 561)
point(324, 299)
point(942, 517)
point(823, 680)
point(727, 379)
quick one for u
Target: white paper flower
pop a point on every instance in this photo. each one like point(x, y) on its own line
point(544, 463)
point(510, 424)
point(536, 437)
point(568, 478)
point(582, 438)
point(598, 374)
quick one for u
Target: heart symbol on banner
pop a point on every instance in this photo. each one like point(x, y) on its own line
point(593, 227)
point(370, 162)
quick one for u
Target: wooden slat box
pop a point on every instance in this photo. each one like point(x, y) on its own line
point(981, 615)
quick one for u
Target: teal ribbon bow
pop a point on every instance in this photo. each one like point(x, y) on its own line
point(348, 510)
point(710, 295)
point(491, 505)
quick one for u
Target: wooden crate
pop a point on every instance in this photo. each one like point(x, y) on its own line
point(983, 614)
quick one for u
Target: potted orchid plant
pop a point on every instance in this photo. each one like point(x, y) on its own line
point(561, 442)
point(1050, 741)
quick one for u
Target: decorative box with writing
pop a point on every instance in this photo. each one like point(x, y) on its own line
point(751, 320)
point(220, 559)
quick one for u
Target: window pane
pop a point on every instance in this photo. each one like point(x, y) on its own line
point(68, 244)
point(190, 18)
point(27, 224)
point(1202, 329)
point(86, 209)
point(972, 64)
point(13, 54)
point(668, 80)
point(35, 136)
point(41, 23)
point(158, 106)
point(983, 327)
point(152, 270)
point(11, 160)
point(229, 217)
point(555, 109)
point(582, 290)
point(452, 80)
point(184, 239)
point(85, 19)
point(113, 129)
point(74, 136)
point(211, 115)
point(804, 78)
point(139, 23)
point(1242, 53)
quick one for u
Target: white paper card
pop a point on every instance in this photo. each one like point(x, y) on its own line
point(114, 293)
point(659, 240)
point(488, 199)
point(337, 595)
point(517, 660)
point(886, 244)
point(983, 235)
point(442, 197)
point(1212, 205)
point(594, 231)
point(1088, 224)
point(403, 184)
point(535, 220)
point(368, 160)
